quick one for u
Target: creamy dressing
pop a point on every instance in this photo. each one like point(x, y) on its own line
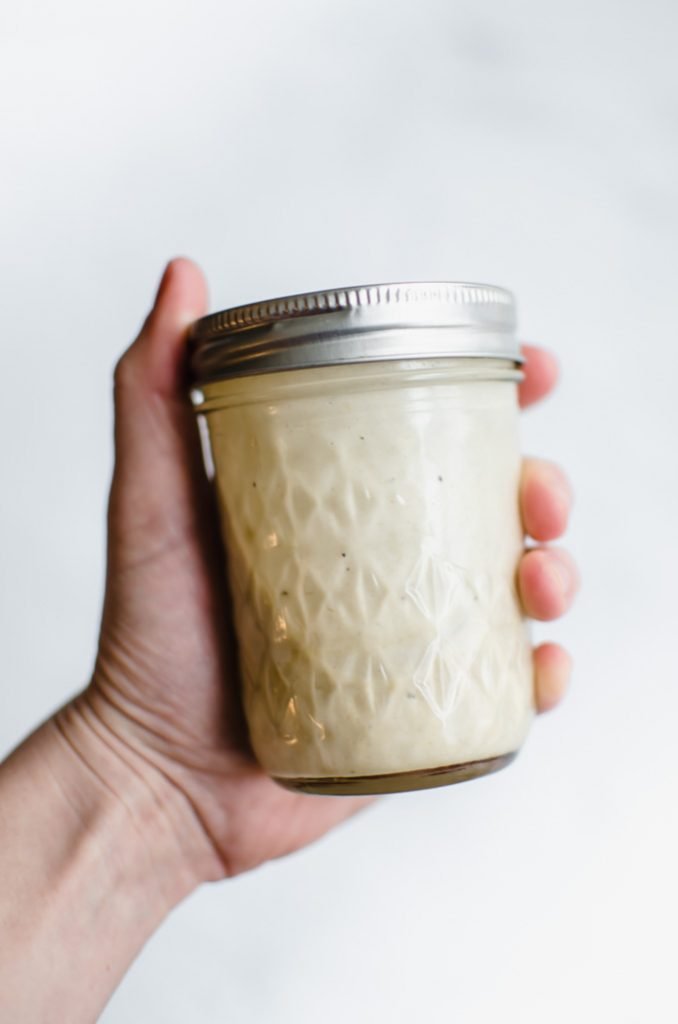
point(372, 523)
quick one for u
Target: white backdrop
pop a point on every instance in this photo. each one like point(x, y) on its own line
point(306, 144)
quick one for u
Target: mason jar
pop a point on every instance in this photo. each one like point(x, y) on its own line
point(365, 454)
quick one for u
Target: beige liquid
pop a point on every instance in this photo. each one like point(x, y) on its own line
point(372, 523)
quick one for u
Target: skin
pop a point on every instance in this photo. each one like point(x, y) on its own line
point(143, 786)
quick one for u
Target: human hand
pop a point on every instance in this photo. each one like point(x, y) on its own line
point(163, 695)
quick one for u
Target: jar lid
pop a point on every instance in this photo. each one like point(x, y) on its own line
point(413, 320)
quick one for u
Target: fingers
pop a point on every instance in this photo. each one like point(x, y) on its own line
point(545, 499)
point(156, 359)
point(552, 670)
point(547, 583)
point(541, 373)
point(547, 577)
point(157, 457)
point(181, 299)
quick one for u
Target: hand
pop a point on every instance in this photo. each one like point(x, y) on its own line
point(163, 693)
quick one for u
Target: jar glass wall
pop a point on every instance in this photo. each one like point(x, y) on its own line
point(370, 514)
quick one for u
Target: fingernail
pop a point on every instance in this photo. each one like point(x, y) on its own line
point(563, 485)
point(561, 577)
point(563, 493)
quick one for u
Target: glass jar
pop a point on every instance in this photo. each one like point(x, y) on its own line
point(365, 452)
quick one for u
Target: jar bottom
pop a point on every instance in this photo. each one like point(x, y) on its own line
point(399, 782)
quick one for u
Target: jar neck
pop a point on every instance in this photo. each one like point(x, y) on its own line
point(353, 378)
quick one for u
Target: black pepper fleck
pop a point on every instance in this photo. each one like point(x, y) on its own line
point(440, 478)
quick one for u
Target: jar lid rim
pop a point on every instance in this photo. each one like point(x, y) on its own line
point(408, 296)
point(349, 324)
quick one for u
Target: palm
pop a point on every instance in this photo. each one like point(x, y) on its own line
point(165, 674)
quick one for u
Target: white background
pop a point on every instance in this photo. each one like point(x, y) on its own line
point(306, 144)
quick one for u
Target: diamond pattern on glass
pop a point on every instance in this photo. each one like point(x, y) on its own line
point(372, 579)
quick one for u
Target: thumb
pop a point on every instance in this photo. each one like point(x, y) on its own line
point(157, 453)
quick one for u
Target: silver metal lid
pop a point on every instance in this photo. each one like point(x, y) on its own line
point(415, 320)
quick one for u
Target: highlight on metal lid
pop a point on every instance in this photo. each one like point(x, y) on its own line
point(405, 320)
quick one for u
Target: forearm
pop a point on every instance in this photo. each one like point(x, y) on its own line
point(94, 853)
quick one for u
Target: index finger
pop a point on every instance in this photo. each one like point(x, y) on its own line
point(541, 373)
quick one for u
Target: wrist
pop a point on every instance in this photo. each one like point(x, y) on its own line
point(96, 852)
point(160, 841)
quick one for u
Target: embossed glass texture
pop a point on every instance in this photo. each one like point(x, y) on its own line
point(370, 514)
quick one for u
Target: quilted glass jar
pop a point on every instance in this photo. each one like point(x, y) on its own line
point(365, 454)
